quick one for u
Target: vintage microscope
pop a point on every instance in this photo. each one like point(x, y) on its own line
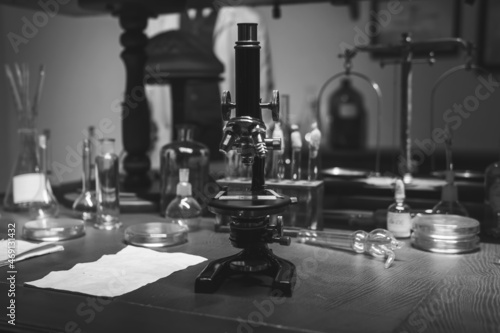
point(250, 211)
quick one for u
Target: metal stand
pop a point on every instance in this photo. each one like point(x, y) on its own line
point(407, 50)
point(468, 67)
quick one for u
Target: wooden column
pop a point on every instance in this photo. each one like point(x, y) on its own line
point(136, 118)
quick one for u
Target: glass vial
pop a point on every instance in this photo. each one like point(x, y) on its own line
point(184, 210)
point(296, 141)
point(183, 153)
point(85, 206)
point(107, 187)
point(45, 204)
point(398, 214)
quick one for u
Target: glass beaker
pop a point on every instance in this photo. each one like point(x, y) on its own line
point(183, 153)
point(107, 187)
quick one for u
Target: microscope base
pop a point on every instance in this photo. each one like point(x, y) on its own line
point(249, 261)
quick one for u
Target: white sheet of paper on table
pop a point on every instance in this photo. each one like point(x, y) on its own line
point(118, 274)
point(23, 246)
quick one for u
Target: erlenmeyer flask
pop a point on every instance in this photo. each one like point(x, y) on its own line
point(26, 177)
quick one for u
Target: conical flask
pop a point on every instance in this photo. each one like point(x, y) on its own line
point(183, 153)
point(26, 177)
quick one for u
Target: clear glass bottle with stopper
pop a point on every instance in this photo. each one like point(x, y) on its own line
point(107, 187)
point(398, 214)
point(85, 206)
point(184, 210)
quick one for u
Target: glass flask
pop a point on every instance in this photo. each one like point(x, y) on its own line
point(183, 153)
point(26, 175)
point(85, 206)
point(107, 187)
point(449, 203)
point(184, 210)
point(45, 204)
point(347, 117)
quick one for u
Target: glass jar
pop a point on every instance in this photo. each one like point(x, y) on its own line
point(183, 153)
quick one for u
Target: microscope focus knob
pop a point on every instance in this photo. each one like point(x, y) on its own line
point(226, 105)
point(274, 105)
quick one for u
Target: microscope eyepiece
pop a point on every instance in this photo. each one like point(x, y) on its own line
point(247, 32)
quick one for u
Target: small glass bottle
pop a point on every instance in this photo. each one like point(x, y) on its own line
point(183, 153)
point(107, 187)
point(313, 139)
point(296, 141)
point(45, 205)
point(449, 203)
point(184, 210)
point(398, 214)
point(85, 206)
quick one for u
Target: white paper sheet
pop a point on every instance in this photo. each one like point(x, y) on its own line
point(23, 246)
point(118, 274)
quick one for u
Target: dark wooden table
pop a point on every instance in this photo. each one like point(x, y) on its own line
point(336, 291)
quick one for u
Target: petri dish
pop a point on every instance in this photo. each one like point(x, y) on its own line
point(445, 226)
point(156, 234)
point(53, 229)
point(445, 233)
point(452, 246)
